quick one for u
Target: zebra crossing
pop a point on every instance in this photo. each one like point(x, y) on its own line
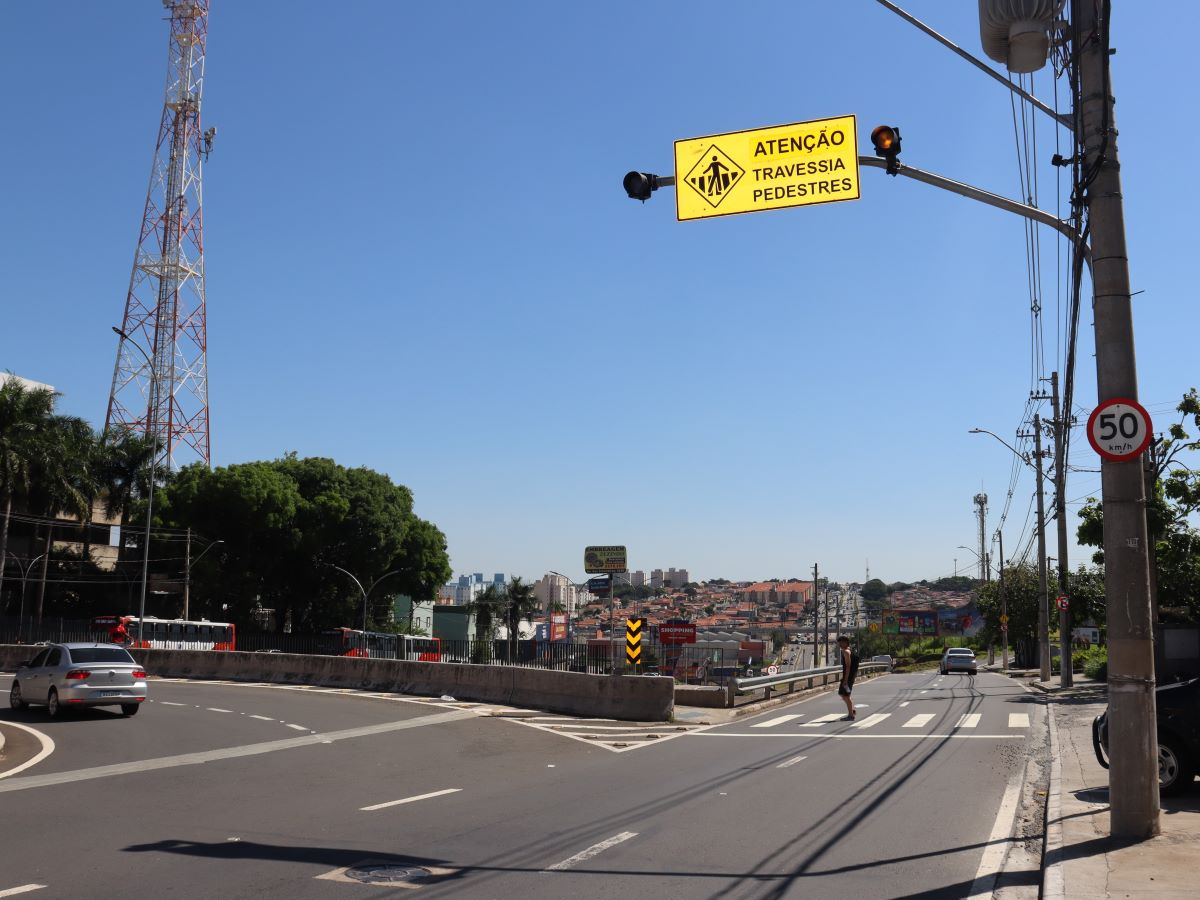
point(904, 720)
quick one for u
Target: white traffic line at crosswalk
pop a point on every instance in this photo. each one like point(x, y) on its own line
point(969, 720)
point(297, 727)
point(771, 723)
point(872, 720)
point(23, 889)
point(905, 703)
point(591, 851)
point(1018, 720)
point(409, 799)
point(791, 762)
point(823, 720)
point(217, 709)
point(919, 720)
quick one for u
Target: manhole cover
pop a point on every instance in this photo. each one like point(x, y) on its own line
point(384, 874)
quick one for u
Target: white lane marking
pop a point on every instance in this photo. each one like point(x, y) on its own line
point(194, 759)
point(905, 703)
point(217, 709)
point(23, 889)
point(170, 703)
point(625, 728)
point(998, 842)
point(970, 720)
point(791, 762)
point(779, 720)
point(872, 720)
point(918, 720)
point(262, 718)
point(923, 692)
point(590, 852)
point(409, 799)
point(296, 727)
point(47, 748)
point(562, 719)
point(823, 720)
point(1018, 720)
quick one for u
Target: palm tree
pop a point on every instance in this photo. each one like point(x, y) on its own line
point(488, 609)
point(520, 602)
point(24, 415)
point(61, 477)
point(124, 475)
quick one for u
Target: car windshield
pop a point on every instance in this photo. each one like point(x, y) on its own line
point(100, 655)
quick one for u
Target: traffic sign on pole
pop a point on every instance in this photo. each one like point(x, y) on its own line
point(1062, 602)
point(766, 168)
point(1004, 620)
point(1119, 429)
point(633, 641)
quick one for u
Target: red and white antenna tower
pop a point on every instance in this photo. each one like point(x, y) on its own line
point(160, 383)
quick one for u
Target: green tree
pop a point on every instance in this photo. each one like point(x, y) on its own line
point(874, 593)
point(1022, 593)
point(24, 419)
point(520, 603)
point(123, 472)
point(488, 609)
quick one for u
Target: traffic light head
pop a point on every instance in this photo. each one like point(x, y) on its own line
point(886, 139)
point(640, 185)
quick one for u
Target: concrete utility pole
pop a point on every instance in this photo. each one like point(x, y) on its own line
point(981, 512)
point(1065, 677)
point(1133, 751)
point(1003, 602)
point(816, 621)
point(1043, 589)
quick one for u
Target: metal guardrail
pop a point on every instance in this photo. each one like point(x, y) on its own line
point(790, 680)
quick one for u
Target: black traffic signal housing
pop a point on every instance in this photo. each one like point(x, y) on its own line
point(886, 139)
point(640, 185)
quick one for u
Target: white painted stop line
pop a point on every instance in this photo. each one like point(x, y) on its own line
point(591, 851)
point(771, 723)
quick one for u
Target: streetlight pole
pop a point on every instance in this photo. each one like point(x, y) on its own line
point(366, 592)
point(187, 575)
point(24, 575)
point(152, 433)
point(1003, 602)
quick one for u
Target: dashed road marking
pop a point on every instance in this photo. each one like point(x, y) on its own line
point(23, 889)
point(297, 727)
point(217, 709)
point(591, 851)
point(791, 762)
point(771, 723)
point(170, 703)
point(262, 718)
point(409, 799)
point(905, 703)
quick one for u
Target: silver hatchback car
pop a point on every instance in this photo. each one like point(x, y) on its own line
point(73, 675)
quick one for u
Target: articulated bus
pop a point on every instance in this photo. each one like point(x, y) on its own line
point(170, 634)
point(378, 645)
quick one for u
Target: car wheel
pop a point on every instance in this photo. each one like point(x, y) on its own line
point(130, 709)
point(14, 696)
point(52, 706)
point(1174, 768)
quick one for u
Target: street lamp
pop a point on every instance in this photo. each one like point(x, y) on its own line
point(366, 592)
point(187, 574)
point(152, 433)
point(24, 575)
point(1044, 601)
point(983, 560)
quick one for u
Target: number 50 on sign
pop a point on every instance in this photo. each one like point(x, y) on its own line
point(1119, 429)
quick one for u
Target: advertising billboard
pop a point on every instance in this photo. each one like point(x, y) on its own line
point(910, 622)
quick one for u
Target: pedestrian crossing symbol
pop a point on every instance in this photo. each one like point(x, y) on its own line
point(714, 176)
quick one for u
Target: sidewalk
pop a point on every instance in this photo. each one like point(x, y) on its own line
point(1081, 860)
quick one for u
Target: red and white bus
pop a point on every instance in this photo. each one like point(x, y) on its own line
point(170, 634)
point(378, 645)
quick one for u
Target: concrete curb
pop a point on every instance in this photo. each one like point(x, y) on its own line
point(1053, 882)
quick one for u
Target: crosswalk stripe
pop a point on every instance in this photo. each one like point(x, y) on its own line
point(771, 723)
point(791, 762)
point(832, 717)
point(1018, 720)
point(918, 720)
point(970, 720)
point(872, 720)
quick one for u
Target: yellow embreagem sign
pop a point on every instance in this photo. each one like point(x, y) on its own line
point(766, 168)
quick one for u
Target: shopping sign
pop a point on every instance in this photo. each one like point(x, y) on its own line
point(677, 633)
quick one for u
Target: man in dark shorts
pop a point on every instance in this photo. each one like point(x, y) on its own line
point(849, 670)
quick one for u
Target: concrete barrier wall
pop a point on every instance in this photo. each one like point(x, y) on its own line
point(628, 697)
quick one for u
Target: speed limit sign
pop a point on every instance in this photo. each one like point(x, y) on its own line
point(1119, 429)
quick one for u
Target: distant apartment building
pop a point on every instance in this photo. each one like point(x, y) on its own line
point(637, 579)
point(777, 593)
point(553, 589)
point(671, 578)
point(468, 587)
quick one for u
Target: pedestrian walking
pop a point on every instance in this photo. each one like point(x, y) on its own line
point(849, 671)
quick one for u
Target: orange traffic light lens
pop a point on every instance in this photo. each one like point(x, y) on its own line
point(883, 137)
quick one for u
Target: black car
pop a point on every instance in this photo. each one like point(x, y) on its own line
point(1178, 707)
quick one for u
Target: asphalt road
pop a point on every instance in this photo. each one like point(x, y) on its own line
point(222, 790)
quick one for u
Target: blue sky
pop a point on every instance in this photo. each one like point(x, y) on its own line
point(420, 260)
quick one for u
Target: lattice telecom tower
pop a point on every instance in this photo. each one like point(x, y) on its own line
point(165, 318)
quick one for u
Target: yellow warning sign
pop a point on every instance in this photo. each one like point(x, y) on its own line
point(766, 168)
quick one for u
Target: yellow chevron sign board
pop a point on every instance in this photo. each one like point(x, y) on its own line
point(766, 168)
point(633, 641)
